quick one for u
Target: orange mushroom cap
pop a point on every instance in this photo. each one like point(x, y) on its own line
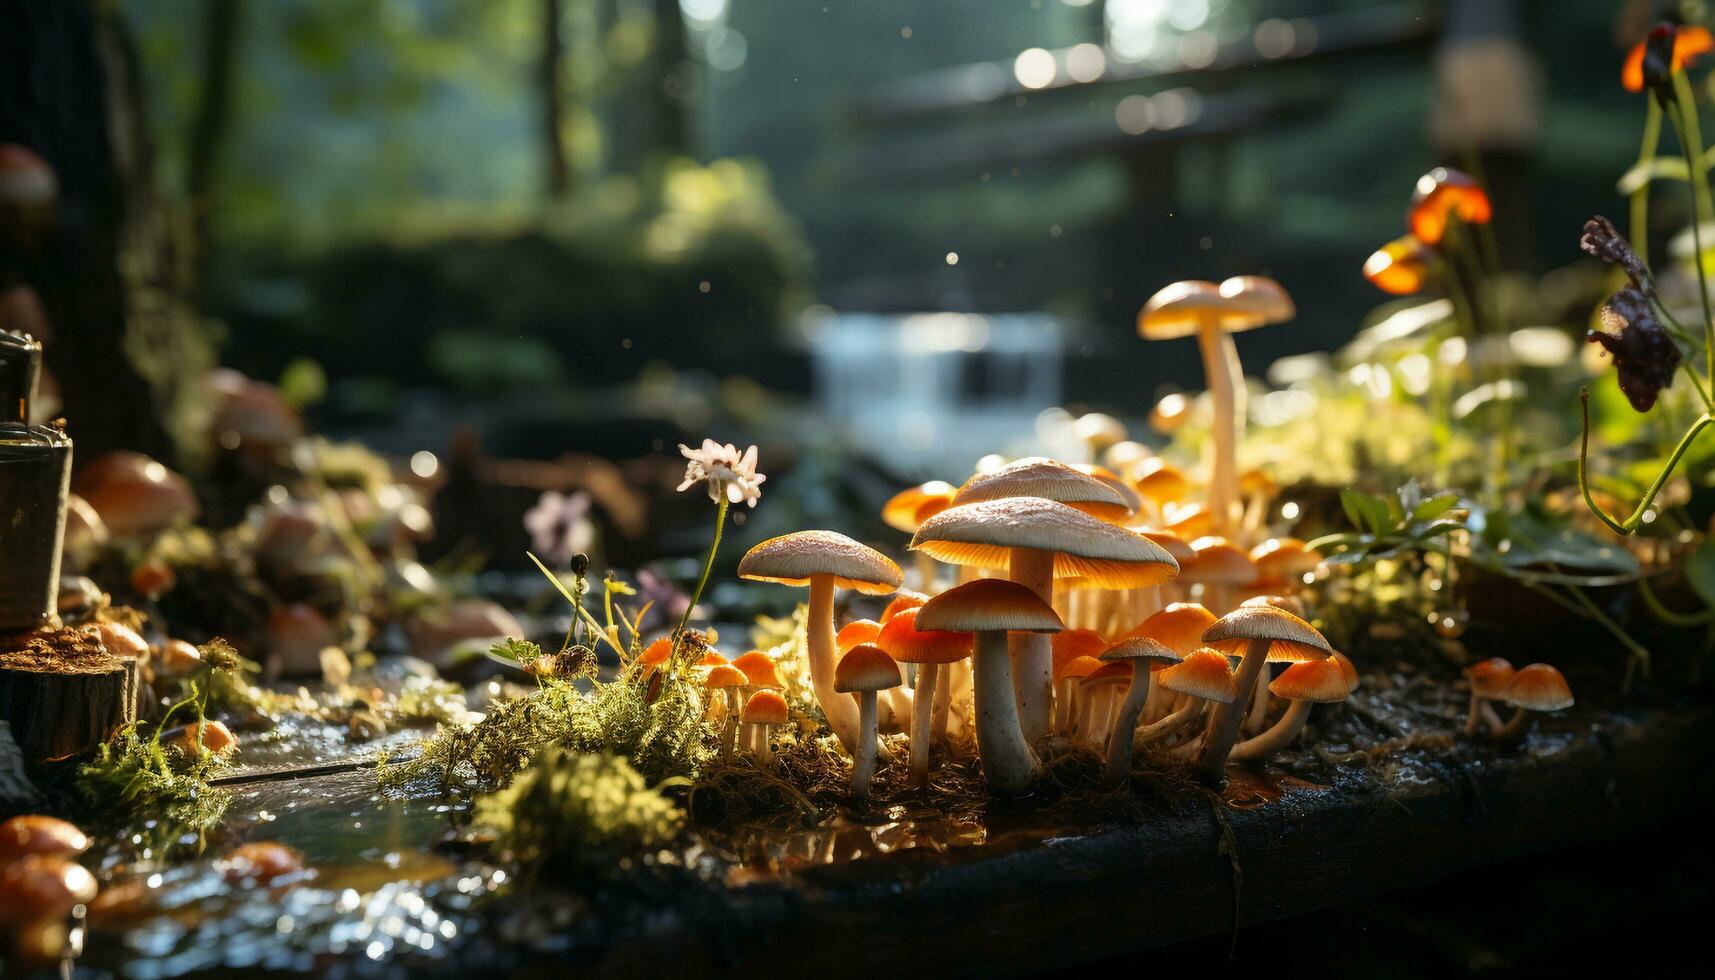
point(1489, 678)
point(1159, 480)
point(1538, 687)
point(1068, 645)
point(760, 668)
point(1205, 674)
point(856, 632)
point(1179, 627)
point(1401, 267)
point(1348, 669)
point(906, 599)
point(901, 512)
point(766, 707)
point(724, 676)
point(1688, 44)
point(43, 886)
point(260, 862)
point(1077, 667)
point(35, 833)
point(1285, 560)
point(1314, 680)
point(657, 652)
point(1443, 192)
point(905, 643)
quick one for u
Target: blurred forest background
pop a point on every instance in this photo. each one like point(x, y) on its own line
point(604, 226)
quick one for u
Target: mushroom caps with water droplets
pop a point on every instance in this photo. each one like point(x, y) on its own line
point(796, 558)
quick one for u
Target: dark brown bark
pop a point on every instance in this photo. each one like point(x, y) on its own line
point(222, 21)
point(553, 102)
point(121, 349)
point(63, 704)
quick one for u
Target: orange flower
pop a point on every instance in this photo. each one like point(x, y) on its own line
point(1441, 192)
point(1400, 267)
point(1688, 43)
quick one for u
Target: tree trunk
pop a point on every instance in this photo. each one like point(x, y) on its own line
point(673, 68)
point(221, 25)
point(553, 102)
point(126, 353)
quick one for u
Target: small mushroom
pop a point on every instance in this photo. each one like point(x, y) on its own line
point(135, 495)
point(991, 608)
point(210, 737)
point(40, 887)
point(176, 658)
point(823, 561)
point(260, 864)
point(296, 635)
point(863, 671)
point(1401, 267)
point(1070, 675)
point(761, 673)
point(85, 533)
point(1442, 194)
point(1221, 567)
point(906, 599)
point(1263, 633)
point(1303, 685)
point(1283, 563)
point(856, 633)
point(1537, 687)
point(1204, 677)
point(1178, 627)
point(1099, 689)
point(1065, 647)
point(727, 681)
point(153, 579)
point(35, 833)
point(931, 651)
point(1488, 679)
point(765, 708)
point(1135, 655)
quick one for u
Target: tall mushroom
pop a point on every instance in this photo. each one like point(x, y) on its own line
point(1263, 633)
point(991, 608)
point(824, 561)
point(863, 671)
point(1037, 540)
point(930, 650)
point(1303, 685)
point(1213, 313)
point(1135, 653)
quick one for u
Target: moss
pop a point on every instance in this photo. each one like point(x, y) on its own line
point(578, 812)
point(136, 775)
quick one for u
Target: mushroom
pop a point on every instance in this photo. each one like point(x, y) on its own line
point(1037, 540)
point(260, 863)
point(1537, 687)
point(930, 650)
point(39, 887)
point(1097, 431)
point(1488, 679)
point(437, 632)
point(295, 636)
point(761, 673)
point(1099, 689)
point(1188, 520)
point(1204, 677)
point(1159, 483)
point(991, 608)
point(1401, 267)
point(764, 708)
point(1134, 654)
point(863, 671)
point(1178, 627)
point(1065, 647)
point(135, 495)
point(1213, 313)
point(1263, 633)
point(176, 658)
point(1441, 194)
point(906, 599)
point(908, 509)
point(85, 532)
point(1048, 479)
point(1282, 564)
point(1221, 567)
point(1077, 704)
point(1303, 684)
point(824, 561)
point(204, 737)
point(1256, 719)
point(728, 681)
point(856, 633)
point(35, 833)
point(1170, 412)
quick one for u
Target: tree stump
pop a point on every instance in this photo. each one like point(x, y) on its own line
point(63, 693)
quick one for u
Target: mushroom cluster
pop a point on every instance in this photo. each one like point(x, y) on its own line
point(41, 884)
point(1062, 607)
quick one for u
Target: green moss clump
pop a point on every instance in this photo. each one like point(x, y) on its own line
point(135, 774)
point(580, 812)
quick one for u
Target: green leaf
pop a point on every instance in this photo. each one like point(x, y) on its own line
point(1368, 513)
point(1660, 168)
point(1434, 507)
point(1700, 571)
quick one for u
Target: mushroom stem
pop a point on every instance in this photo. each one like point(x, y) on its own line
point(760, 748)
point(1471, 714)
point(863, 762)
point(1277, 737)
point(1032, 653)
point(1173, 722)
point(922, 719)
point(1257, 719)
point(1224, 723)
point(1007, 760)
point(949, 679)
point(729, 734)
point(1217, 368)
point(819, 626)
point(1514, 728)
point(1125, 726)
point(926, 573)
point(1062, 705)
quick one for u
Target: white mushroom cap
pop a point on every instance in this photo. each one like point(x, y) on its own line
point(796, 558)
point(983, 534)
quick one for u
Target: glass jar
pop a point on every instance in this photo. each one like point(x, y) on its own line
point(35, 477)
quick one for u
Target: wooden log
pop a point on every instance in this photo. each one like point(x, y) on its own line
point(63, 693)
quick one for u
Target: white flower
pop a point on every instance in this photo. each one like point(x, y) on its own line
point(559, 525)
point(729, 474)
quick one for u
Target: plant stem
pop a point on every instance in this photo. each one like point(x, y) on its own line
point(708, 566)
point(1640, 198)
point(1667, 615)
point(1631, 523)
point(1691, 141)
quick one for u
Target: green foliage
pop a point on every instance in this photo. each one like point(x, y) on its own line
point(1387, 526)
point(134, 773)
point(579, 811)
